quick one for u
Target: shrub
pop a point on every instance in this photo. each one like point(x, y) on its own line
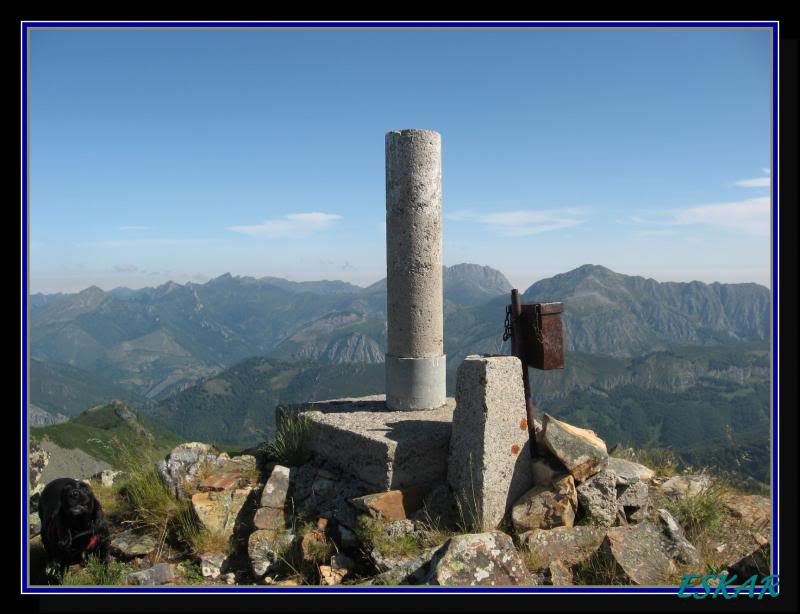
point(96, 573)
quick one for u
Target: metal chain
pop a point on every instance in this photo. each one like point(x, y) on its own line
point(507, 330)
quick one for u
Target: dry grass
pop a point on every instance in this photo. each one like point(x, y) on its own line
point(663, 461)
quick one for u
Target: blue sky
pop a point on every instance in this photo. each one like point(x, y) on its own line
point(185, 154)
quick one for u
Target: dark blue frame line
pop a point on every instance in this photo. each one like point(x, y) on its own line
point(26, 26)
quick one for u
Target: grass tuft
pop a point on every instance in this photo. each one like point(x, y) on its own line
point(287, 448)
point(96, 573)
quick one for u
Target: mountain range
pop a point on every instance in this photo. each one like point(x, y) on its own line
point(154, 342)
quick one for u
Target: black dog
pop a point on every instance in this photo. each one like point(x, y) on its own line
point(73, 524)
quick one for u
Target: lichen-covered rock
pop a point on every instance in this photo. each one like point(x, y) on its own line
point(218, 511)
point(163, 573)
point(639, 553)
point(581, 451)
point(130, 544)
point(571, 545)
point(211, 564)
point(229, 473)
point(597, 498)
point(478, 559)
point(678, 547)
point(681, 486)
point(34, 524)
point(277, 488)
point(183, 464)
point(633, 501)
point(108, 477)
point(628, 472)
point(545, 507)
point(265, 549)
point(560, 574)
point(392, 504)
point(269, 518)
point(37, 461)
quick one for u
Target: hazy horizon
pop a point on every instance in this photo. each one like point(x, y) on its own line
point(161, 154)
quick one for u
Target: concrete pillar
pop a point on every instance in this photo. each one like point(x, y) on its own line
point(415, 360)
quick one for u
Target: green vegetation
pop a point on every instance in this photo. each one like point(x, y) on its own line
point(600, 569)
point(700, 514)
point(287, 447)
point(96, 573)
point(98, 431)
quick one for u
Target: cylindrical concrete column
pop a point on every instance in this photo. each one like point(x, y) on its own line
point(415, 360)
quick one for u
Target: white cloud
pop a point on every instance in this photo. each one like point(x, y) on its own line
point(523, 222)
point(750, 216)
point(293, 225)
point(760, 182)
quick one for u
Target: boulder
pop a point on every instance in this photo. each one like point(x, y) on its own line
point(266, 548)
point(560, 574)
point(37, 461)
point(163, 573)
point(628, 472)
point(393, 504)
point(330, 576)
point(182, 466)
point(635, 495)
point(269, 518)
point(581, 451)
point(545, 507)
point(639, 554)
point(276, 489)
point(681, 486)
point(229, 473)
point(597, 498)
point(218, 511)
point(753, 510)
point(439, 508)
point(478, 559)
point(130, 544)
point(678, 547)
point(570, 545)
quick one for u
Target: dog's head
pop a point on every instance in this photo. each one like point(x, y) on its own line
point(78, 501)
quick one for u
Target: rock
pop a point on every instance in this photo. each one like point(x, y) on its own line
point(545, 507)
point(287, 583)
point(560, 574)
point(218, 511)
point(130, 544)
point(162, 573)
point(182, 465)
point(34, 524)
point(678, 546)
point(108, 477)
point(685, 485)
point(413, 570)
point(277, 488)
point(37, 461)
point(545, 469)
point(639, 554)
point(228, 473)
point(489, 466)
point(398, 528)
point(331, 576)
point(230, 578)
point(393, 504)
point(478, 559)
point(754, 510)
point(269, 518)
point(597, 498)
point(581, 451)
point(570, 545)
point(628, 472)
point(332, 500)
point(636, 494)
point(756, 563)
point(211, 564)
point(266, 548)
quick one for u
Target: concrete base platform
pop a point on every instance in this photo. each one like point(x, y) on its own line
point(386, 449)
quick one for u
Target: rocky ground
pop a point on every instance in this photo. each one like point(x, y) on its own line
point(588, 518)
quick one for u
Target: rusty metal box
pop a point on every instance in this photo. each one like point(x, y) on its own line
point(543, 335)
